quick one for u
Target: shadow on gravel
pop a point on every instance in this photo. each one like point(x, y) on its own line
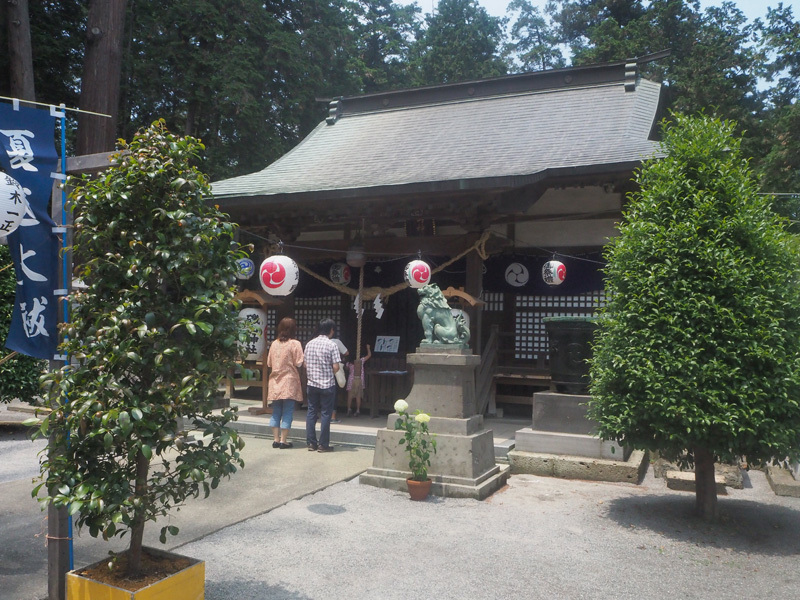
point(744, 526)
point(248, 590)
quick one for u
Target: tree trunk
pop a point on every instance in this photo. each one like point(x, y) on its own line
point(100, 85)
point(20, 55)
point(705, 484)
point(137, 527)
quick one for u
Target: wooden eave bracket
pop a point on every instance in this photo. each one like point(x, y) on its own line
point(463, 296)
point(257, 297)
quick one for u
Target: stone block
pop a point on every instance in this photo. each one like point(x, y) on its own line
point(458, 456)
point(444, 384)
point(447, 426)
point(563, 413)
point(577, 467)
point(782, 482)
point(684, 481)
point(572, 444)
point(478, 488)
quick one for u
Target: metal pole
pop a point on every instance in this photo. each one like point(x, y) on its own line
point(60, 557)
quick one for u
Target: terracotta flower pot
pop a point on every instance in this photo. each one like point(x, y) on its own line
point(419, 490)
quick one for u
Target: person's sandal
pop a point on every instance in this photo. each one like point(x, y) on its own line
point(285, 445)
point(276, 444)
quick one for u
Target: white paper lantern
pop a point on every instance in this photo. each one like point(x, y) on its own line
point(12, 204)
point(340, 273)
point(245, 268)
point(417, 273)
point(279, 275)
point(254, 346)
point(554, 272)
point(517, 274)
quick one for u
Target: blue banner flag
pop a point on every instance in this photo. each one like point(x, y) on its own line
point(28, 154)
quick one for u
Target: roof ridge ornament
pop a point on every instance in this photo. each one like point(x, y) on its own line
point(334, 110)
point(631, 75)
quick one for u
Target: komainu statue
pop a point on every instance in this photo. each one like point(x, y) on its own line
point(439, 324)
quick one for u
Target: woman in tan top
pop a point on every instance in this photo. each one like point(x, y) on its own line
point(285, 389)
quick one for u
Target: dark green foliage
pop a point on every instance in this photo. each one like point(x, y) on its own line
point(153, 334)
point(699, 346)
point(19, 376)
point(461, 42)
point(536, 44)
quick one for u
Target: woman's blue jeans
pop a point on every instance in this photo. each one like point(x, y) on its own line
point(282, 413)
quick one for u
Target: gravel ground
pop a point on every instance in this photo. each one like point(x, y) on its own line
point(536, 538)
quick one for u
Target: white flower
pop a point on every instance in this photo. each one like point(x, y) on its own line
point(422, 418)
point(401, 406)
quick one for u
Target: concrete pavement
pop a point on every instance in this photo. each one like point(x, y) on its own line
point(296, 524)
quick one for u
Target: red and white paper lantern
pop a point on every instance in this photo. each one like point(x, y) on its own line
point(554, 272)
point(12, 204)
point(418, 273)
point(340, 273)
point(279, 275)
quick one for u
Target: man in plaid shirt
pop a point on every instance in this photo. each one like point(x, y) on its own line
point(322, 361)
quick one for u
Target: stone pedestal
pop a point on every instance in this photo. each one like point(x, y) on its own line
point(463, 466)
point(561, 434)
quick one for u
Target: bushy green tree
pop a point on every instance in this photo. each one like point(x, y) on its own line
point(19, 374)
point(698, 352)
point(149, 340)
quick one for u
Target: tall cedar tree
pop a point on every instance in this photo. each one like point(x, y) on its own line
point(461, 42)
point(698, 351)
point(150, 338)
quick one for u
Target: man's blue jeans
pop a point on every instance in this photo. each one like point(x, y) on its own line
point(320, 406)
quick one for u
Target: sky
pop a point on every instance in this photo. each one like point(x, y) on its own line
point(751, 8)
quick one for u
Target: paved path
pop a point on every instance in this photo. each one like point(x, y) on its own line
point(297, 525)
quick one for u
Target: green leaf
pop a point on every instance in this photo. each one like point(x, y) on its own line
point(147, 451)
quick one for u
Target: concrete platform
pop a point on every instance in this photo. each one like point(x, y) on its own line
point(362, 430)
point(631, 470)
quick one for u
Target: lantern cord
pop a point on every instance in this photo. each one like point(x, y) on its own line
point(59, 107)
point(372, 292)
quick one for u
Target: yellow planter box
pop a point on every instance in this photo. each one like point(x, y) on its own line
point(188, 584)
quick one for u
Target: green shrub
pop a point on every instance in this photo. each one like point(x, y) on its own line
point(698, 351)
point(151, 336)
point(19, 376)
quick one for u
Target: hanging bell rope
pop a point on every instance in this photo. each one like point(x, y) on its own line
point(359, 318)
